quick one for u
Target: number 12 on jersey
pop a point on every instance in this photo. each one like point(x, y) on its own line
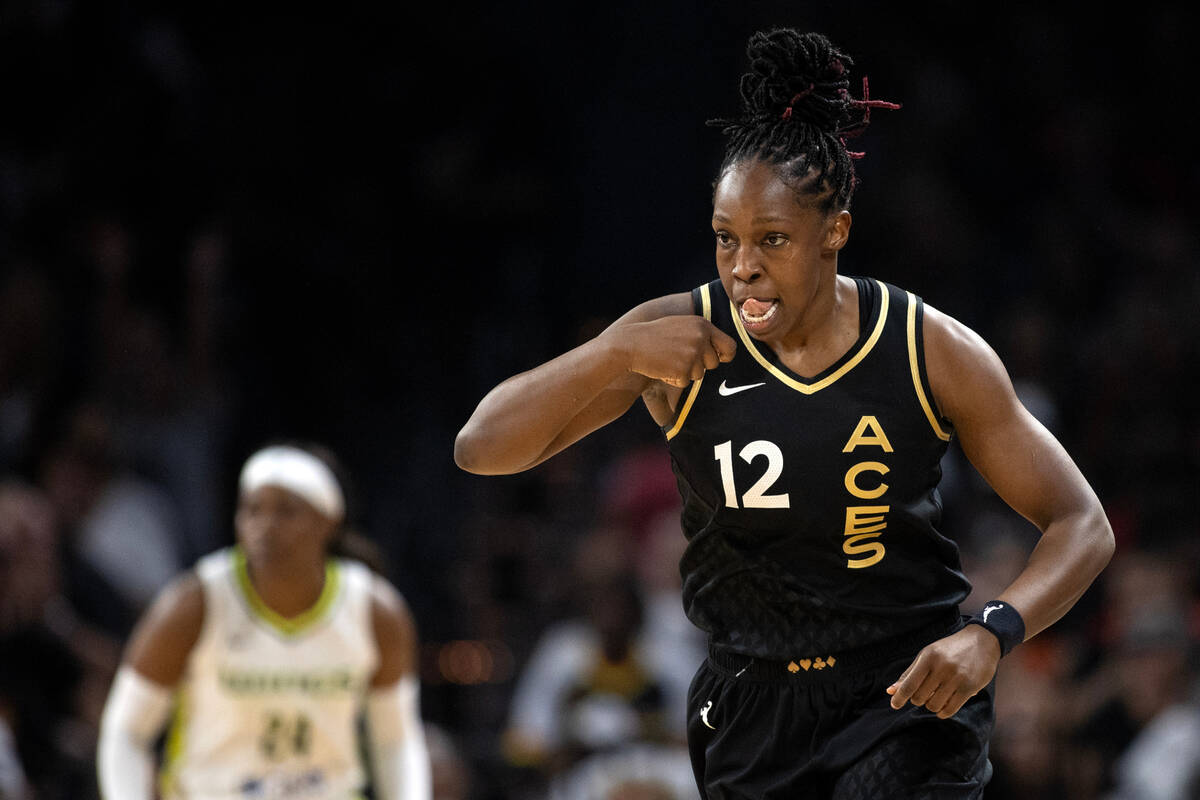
point(756, 496)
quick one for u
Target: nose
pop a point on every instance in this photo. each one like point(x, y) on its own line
point(746, 265)
point(261, 523)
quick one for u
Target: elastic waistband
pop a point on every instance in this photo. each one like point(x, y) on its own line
point(830, 665)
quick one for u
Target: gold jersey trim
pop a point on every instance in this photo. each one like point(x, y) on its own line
point(288, 626)
point(916, 373)
point(812, 388)
point(706, 309)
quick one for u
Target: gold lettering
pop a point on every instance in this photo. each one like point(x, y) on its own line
point(863, 524)
point(856, 545)
point(865, 519)
point(876, 437)
point(866, 494)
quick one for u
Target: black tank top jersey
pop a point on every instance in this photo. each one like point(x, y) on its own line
point(810, 503)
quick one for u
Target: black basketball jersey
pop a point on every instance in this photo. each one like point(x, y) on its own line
point(810, 504)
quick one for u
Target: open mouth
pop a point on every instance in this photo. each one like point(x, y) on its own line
point(757, 312)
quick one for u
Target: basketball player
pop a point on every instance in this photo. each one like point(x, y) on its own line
point(806, 413)
point(268, 654)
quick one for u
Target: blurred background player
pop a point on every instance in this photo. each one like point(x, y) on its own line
point(270, 655)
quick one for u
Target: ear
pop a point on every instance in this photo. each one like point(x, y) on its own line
point(837, 230)
point(332, 532)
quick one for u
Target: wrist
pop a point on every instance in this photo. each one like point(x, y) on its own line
point(983, 640)
point(1002, 621)
point(616, 352)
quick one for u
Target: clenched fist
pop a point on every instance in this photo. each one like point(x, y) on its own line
point(675, 349)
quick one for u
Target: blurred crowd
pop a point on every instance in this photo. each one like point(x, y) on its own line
point(196, 255)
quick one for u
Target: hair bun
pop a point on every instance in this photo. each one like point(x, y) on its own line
point(799, 76)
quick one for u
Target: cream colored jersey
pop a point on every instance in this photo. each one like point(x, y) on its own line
point(269, 706)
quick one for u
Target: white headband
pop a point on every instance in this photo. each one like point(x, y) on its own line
point(299, 472)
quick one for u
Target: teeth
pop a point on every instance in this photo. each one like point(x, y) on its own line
point(770, 312)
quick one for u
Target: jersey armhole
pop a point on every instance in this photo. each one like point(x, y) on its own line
point(701, 306)
point(377, 588)
point(941, 426)
point(210, 604)
point(199, 658)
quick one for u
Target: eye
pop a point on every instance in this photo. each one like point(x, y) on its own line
point(290, 508)
point(723, 238)
point(775, 240)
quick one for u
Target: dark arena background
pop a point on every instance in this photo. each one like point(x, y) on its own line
point(219, 226)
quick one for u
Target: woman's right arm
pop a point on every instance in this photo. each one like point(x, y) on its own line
point(140, 699)
point(660, 344)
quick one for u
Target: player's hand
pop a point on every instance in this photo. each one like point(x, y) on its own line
point(675, 350)
point(948, 672)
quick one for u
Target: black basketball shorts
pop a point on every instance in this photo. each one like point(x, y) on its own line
point(823, 727)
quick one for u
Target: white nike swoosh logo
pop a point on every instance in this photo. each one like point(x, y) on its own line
point(989, 609)
point(725, 391)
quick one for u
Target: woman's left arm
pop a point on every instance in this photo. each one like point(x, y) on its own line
point(1032, 472)
point(400, 758)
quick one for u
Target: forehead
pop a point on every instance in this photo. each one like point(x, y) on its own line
point(755, 188)
point(273, 495)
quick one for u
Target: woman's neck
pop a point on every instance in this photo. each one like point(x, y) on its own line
point(827, 331)
point(289, 589)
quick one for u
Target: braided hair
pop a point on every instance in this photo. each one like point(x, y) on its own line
point(797, 113)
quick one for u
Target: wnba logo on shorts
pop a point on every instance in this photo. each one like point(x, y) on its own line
point(704, 714)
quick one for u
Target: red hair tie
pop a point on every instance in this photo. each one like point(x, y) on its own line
point(867, 103)
point(787, 112)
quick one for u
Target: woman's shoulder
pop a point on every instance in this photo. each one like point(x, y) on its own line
point(167, 632)
point(388, 607)
point(181, 600)
point(965, 372)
